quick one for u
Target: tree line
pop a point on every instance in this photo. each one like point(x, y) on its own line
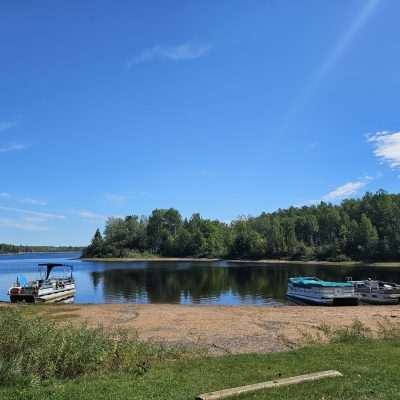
point(357, 229)
point(12, 248)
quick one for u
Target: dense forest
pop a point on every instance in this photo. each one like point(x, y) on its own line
point(11, 248)
point(357, 229)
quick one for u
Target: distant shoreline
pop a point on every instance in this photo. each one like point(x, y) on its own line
point(394, 264)
point(141, 259)
point(39, 252)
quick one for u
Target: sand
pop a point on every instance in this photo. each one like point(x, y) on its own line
point(222, 329)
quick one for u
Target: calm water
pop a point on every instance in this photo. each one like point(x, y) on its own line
point(180, 282)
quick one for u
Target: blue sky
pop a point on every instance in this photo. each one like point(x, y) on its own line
point(225, 108)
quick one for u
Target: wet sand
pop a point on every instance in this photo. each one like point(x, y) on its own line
point(221, 329)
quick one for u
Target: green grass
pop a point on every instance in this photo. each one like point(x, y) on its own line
point(50, 312)
point(35, 350)
point(370, 368)
point(42, 360)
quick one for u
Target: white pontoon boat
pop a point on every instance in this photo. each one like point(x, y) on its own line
point(46, 289)
point(372, 291)
point(315, 291)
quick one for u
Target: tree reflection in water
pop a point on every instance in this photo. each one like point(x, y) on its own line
point(218, 283)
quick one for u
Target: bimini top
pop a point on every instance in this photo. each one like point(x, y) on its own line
point(51, 266)
point(311, 281)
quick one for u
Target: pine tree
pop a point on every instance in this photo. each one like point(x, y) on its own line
point(96, 247)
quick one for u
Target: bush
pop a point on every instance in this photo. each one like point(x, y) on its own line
point(388, 329)
point(303, 252)
point(34, 349)
point(356, 332)
point(340, 258)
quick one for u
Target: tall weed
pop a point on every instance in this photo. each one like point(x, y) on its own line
point(33, 349)
point(356, 332)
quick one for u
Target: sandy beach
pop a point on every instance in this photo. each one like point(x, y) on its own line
point(221, 329)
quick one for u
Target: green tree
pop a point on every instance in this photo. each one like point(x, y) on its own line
point(357, 228)
point(96, 247)
point(162, 224)
point(367, 237)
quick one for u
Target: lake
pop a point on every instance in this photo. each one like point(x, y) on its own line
point(183, 282)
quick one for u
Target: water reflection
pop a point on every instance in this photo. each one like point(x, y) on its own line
point(184, 282)
point(214, 283)
point(205, 284)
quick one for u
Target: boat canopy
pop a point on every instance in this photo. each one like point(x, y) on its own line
point(51, 266)
point(316, 282)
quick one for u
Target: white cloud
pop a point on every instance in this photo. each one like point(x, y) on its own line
point(34, 213)
point(34, 219)
point(12, 147)
point(34, 202)
point(23, 225)
point(185, 51)
point(348, 189)
point(91, 215)
point(387, 147)
point(5, 125)
point(117, 200)
point(23, 200)
point(307, 203)
point(341, 192)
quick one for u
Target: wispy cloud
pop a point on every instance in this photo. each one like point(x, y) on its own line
point(117, 200)
point(5, 125)
point(91, 215)
point(23, 200)
point(181, 52)
point(34, 202)
point(307, 203)
point(348, 189)
point(34, 219)
point(13, 147)
point(387, 147)
point(341, 192)
point(21, 224)
point(34, 213)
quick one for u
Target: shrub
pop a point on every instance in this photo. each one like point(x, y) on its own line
point(340, 258)
point(388, 329)
point(34, 349)
point(356, 332)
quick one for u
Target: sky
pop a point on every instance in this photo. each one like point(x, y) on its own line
point(226, 108)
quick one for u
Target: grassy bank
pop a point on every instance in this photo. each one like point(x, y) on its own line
point(41, 360)
point(35, 349)
point(277, 261)
point(370, 372)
